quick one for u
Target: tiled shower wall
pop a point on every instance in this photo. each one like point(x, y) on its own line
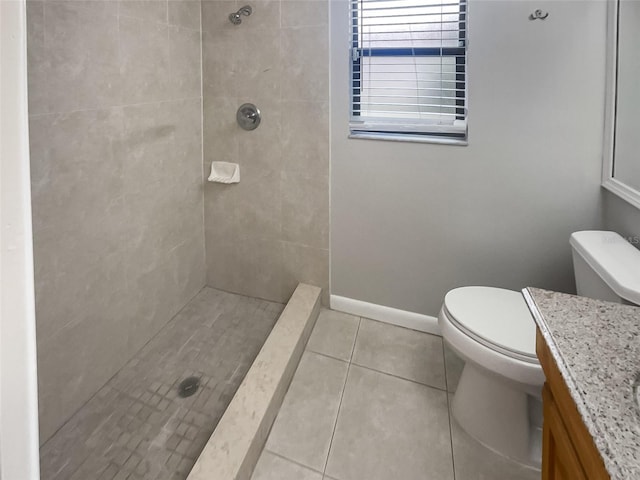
point(115, 120)
point(271, 230)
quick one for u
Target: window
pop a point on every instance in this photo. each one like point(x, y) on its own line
point(408, 67)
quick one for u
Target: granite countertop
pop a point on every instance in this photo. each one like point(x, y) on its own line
point(596, 346)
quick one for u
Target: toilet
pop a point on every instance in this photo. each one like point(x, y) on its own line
point(498, 398)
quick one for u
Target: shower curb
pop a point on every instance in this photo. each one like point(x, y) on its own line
point(235, 445)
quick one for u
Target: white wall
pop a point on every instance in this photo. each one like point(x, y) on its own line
point(18, 397)
point(410, 221)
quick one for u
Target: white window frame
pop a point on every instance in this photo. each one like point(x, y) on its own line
point(454, 132)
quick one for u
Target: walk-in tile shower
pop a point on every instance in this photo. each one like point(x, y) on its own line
point(129, 103)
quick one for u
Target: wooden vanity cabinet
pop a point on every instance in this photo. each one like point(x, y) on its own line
point(568, 451)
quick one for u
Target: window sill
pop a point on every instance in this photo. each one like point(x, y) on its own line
point(407, 137)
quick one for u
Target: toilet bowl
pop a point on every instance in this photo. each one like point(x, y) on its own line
point(497, 400)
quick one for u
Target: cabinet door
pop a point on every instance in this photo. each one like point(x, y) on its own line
point(559, 458)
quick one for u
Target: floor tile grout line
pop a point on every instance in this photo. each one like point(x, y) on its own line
point(344, 387)
point(446, 377)
point(355, 340)
point(247, 296)
point(279, 455)
point(422, 332)
point(399, 377)
point(326, 355)
point(446, 382)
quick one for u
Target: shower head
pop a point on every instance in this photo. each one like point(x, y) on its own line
point(236, 17)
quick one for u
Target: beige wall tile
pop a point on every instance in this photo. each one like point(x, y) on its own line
point(305, 137)
point(36, 57)
point(260, 150)
point(221, 222)
point(220, 130)
point(144, 61)
point(148, 241)
point(247, 265)
point(262, 276)
point(219, 68)
point(185, 13)
point(187, 115)
point(74, 279)
point(215, 20)
point(266, 15)
point(148, 134)
point(151, 10)
point(162, 146)
point(258, 65)
point(169, 219)
point(74, 77)
point(305, 75)
point(76, 168)
point(258, 207)
point(162, 291)
point(307, 265)
point(95, 8)
point(223, 263)
point(187, 262)
point(305, 13)
point(305, 209)
point(184, 63)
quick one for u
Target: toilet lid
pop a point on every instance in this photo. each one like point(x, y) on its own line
point(497, 318)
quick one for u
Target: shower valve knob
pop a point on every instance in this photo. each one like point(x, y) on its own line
point(248, 116)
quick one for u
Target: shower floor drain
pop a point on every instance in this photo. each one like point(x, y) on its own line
point(188, 387)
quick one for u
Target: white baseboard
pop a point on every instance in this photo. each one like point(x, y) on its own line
point(402, 318)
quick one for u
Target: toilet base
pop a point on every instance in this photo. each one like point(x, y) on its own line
point(499, 415)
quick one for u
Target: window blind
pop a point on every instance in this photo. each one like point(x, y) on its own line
point(408, 66)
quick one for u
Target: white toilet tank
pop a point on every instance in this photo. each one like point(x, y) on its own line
point(606, 266)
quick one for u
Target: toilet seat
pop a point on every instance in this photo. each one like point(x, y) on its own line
point(486, 341)
point(494, 317)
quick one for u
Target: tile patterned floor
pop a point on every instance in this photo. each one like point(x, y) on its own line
point(370, 401)
point(137, 427)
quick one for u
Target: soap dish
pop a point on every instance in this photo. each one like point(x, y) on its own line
point(224, 172)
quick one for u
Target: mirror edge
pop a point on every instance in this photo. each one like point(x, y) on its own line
point(618, 188)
